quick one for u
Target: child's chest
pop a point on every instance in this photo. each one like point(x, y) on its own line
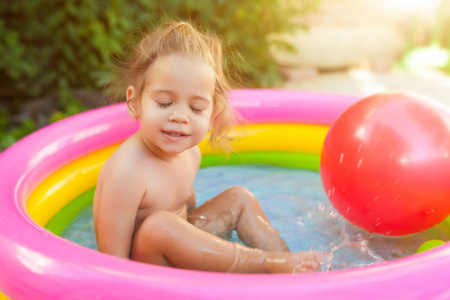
point(170, 188)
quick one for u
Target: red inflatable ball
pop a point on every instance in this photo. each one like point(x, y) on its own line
point(385, 164)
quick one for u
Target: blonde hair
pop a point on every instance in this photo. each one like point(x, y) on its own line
point(183, 39)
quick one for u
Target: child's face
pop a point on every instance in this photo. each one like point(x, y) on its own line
point(176, 106)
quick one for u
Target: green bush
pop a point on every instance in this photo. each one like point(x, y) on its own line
point(47, 43)
point(9, 135)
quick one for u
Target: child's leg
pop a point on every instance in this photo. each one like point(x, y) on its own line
point(168, 240)
point(237, 208)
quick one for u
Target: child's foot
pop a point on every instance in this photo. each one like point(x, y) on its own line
point(294, 262)
point(249, 260)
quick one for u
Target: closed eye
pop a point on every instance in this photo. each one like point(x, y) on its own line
point(163, 105)
point(196, 110)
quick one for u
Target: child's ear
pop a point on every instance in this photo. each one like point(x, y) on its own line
point(133, 103)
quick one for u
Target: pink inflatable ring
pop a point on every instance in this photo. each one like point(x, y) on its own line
point(36, 264)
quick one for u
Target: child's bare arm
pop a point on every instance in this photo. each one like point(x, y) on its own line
point(119, 203)
point(196, 158)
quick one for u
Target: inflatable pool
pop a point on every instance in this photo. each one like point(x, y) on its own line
point(43, 174)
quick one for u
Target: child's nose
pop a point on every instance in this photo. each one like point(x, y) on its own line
point(179, 115)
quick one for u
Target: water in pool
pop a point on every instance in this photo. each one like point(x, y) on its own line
point(296, 205)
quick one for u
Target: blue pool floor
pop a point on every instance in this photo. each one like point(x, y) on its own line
point(296, 205)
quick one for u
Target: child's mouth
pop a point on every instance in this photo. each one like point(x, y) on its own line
point(175, 134)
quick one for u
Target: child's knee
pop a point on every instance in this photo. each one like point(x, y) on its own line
point(156, 224)
point(241, 191)
point(245, 196)
point(151, 234)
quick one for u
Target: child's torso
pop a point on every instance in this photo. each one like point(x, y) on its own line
point(168, 187)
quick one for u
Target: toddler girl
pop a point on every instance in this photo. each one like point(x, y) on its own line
point(144, 204)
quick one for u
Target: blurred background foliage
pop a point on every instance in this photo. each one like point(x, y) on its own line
point(50, 49)
point(435, 53)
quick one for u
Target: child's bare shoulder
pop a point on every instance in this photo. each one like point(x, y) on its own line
point(196, 156)
point(123, 169)
point(120, 164)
